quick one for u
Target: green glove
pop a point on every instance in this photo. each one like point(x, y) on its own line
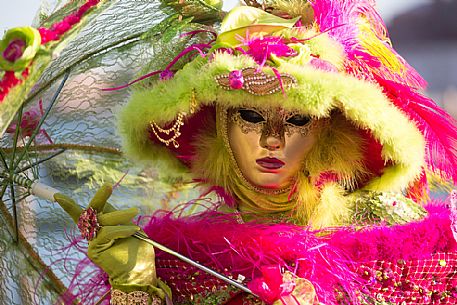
point(128, 261)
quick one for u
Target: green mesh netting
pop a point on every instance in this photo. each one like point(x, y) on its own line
point(117, 41)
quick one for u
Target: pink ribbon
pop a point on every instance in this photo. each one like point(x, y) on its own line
point(285, 287)
point(270, 287)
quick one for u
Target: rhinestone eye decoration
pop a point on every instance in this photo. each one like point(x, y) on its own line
point(272, 122)
point(255, 82)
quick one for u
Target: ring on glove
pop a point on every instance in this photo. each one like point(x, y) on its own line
point(88, 224)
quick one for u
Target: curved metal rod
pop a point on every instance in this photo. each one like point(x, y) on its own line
point(144, 237)
point(40, 123)
point(67, 146)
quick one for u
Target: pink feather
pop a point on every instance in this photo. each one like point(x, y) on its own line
point(220, 242)
point(437, 126)
point(341, 18)
point(261, 49)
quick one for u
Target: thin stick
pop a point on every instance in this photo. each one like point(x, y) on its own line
point(104, 296)
point(4, 186)
point(68, 146)
point(39, 161)
point(48, 193)
point(11, 170)
point(3, 190)
point(16, 137)
point(3, 158)
point(236, 284)
point(48, 110)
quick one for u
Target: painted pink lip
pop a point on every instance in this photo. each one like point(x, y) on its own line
point(270, 163)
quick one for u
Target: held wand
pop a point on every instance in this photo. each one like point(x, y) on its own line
point(46, 192)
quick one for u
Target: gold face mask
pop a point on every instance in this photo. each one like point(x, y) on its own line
point(268, 146)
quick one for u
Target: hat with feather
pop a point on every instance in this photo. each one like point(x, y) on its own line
point(329, 59)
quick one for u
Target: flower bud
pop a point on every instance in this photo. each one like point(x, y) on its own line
point(18, 48)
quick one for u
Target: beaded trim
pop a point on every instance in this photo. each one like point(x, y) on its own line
point(176, 128)
point(133, 298)
point(88, 224)
point(255, 82)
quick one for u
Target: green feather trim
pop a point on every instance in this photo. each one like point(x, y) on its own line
point(338, 149)
point(317, 93)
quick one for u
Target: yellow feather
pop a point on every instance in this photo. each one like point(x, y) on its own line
point(307, 200)
point(376, 47)
point(333, 208)
point(338, 149)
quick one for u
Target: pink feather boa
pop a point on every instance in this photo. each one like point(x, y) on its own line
point(330, 260)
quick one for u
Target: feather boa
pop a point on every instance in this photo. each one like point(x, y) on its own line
point(328, 259)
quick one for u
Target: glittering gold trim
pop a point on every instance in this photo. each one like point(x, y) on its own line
point(257, 82)
point(133, 298)
point(175, 130)
point(275, 128)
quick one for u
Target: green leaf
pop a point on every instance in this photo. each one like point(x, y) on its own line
point(244, 16)
point(231, 38)
point(255, 22)
point(160, 28)
point(202, 11)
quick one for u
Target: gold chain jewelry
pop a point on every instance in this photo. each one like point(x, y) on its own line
point(175, 129)
point(133, 298)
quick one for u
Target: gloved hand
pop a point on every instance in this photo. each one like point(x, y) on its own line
point(128, 261)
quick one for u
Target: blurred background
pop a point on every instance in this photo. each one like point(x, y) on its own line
point(423, 31)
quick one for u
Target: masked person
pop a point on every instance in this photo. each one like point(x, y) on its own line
point(310, 129)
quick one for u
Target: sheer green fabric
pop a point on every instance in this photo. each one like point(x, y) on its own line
point(118, 41)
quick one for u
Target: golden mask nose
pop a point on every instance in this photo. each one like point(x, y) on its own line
point(272, 141)
point(272, 137)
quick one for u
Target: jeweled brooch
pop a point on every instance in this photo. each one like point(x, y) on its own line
point(255, 82)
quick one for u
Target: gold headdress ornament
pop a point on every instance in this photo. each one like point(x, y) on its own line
point(255, 82)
